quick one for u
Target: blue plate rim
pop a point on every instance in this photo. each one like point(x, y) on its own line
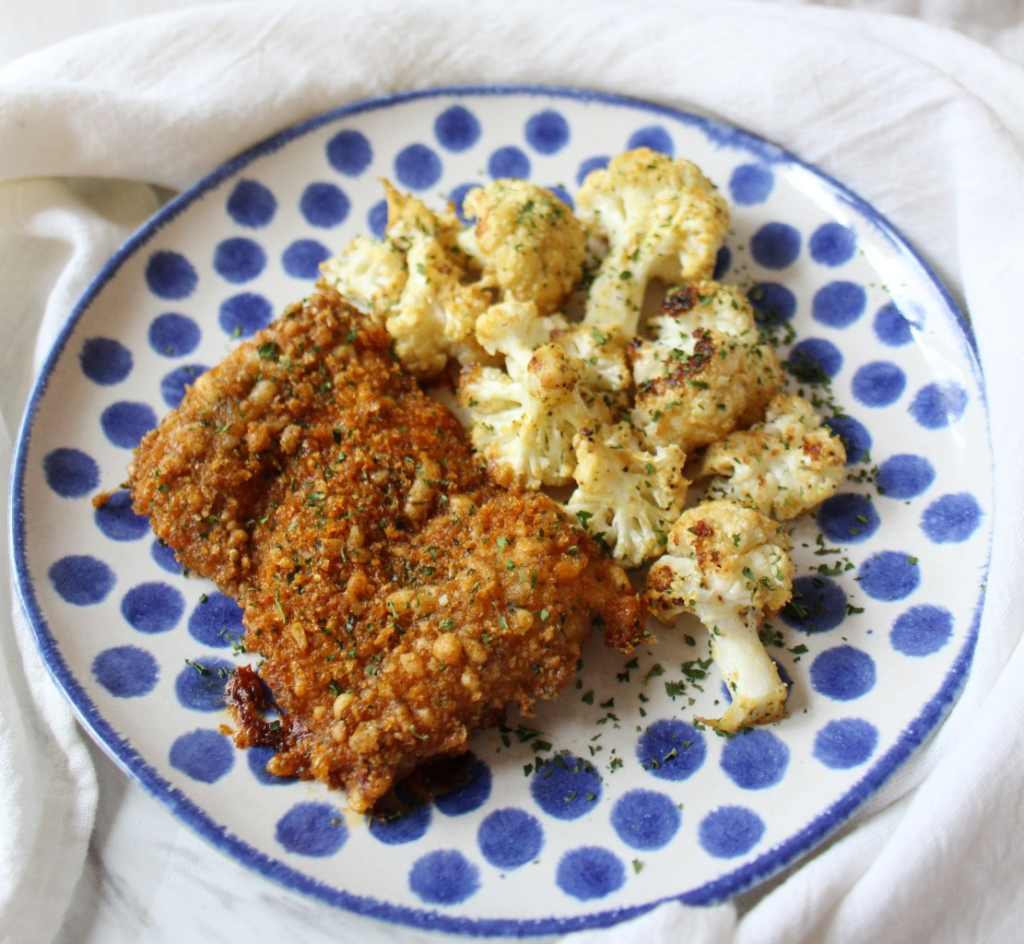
point(716, 891)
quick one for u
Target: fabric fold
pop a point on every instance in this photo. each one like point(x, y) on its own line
point(926, 126)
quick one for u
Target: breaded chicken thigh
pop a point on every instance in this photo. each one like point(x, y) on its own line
point(399, 599)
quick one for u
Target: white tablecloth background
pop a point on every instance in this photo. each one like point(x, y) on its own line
point(918, 106)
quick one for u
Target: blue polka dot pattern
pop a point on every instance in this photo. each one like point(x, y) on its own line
point(170, 275)
point(349, 152)
point(418, 167)
point(174, 335)
point(126, 671)
point(855, 437)
point(562, 194)
point(565, 787)
point(71, 473)
point(312, 829)
point(164, 557)
point(510, 837)
point(755, 760)
point(377, 218)
point(772, 302)
point(152, 607)
point(547, 132)
point(444, 877)
point(922, 630)
point(905, 476)
point(839, 304)
point(751, 184)
point(242, 315)
point(469, 795)
point(814, 361)
point(889, 575)
point(216, 621)
point(832, 244)
point(105, 361)
point(200, 685)
point(407, 826)
point(81, 580)
point(844, 673)
point(324, 205)
point(457, 197)
point(457, 129)
point(776, 245)
point(591, 164)
point(239, 260)
point(723, 263)
point(251, 204)
point(125, 423)
point(845, 743)
point(730, 831)
point(848, 518)
point(654, 137)
point(646, 819)
point(671, 750)
point(508, 162)
point(257, 758)
point(878, 384)
point(937, 405)
point(203, 755)
point(818, 604)
point(951, 519)
point(117, 520)
point(891, 327)
point(590, 872)
point(174, 384)
point(302, 258)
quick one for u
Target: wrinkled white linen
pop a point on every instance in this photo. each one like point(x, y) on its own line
point(925, 124)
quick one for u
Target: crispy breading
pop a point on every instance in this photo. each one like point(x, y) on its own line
point(400, 600)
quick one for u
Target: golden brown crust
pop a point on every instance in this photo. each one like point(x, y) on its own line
point(399, 598)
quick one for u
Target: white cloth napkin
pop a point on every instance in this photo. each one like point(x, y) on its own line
point(924, 124)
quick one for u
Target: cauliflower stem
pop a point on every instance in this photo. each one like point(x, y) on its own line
point(729, 565)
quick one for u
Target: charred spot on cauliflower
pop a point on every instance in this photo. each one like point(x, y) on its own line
point(784, 466)
point(527, 242)
point(660, 218)
point(705, 371)
point(730, 567)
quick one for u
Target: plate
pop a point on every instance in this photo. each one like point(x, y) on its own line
point(611, 799)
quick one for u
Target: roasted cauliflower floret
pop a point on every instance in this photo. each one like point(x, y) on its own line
point(524, 425)
point(514, 330)
point(528, 243)
point(705, 371)
point(729, 565)
point(784, 466)
point(604, 356)
point(417, 281)
point(661, 219)
point(370, 273)
point(628, 494)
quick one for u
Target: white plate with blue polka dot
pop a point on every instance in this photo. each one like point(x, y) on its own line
point(611, 799)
